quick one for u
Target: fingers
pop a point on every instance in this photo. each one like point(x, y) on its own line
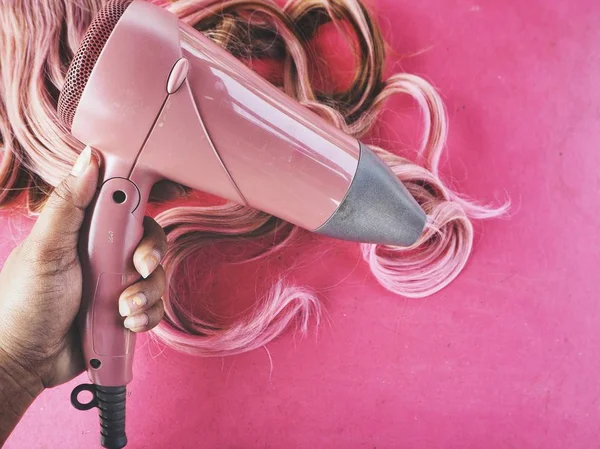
point(64, 211)
point(141, 303)
point(143, 294)
point(144, 321)
point(151, 249)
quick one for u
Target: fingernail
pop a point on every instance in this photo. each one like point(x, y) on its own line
point(149, 263)
point(135, 321)
point(82, 162)
point(132, 304)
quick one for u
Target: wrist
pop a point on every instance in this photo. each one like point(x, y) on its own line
point(15, 375)
point(18, 389)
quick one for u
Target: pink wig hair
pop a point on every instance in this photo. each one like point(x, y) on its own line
point(39, 38)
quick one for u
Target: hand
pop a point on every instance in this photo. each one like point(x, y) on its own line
point(40, 286)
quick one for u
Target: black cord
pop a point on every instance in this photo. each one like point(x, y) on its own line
point(111, 408)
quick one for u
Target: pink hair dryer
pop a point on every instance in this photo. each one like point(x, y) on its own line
point(158, 100)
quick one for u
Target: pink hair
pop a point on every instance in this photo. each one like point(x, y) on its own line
point(39, 38)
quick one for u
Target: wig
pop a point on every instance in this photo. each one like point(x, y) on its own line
point(38, 38)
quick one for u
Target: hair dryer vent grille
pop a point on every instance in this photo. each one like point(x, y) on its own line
point(86, 57)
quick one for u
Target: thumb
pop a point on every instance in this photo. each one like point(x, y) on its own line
point(64, 211)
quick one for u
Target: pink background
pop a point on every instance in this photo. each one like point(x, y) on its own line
point(507, 356)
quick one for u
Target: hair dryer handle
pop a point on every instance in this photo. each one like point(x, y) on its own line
point(110, 234)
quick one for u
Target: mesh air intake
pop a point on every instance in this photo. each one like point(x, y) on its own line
point(83, 63)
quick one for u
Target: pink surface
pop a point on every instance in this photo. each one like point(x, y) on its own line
point(507, 356)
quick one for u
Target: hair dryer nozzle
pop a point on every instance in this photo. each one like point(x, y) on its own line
point(377, 208)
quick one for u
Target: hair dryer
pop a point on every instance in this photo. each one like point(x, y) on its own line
point(158, 100)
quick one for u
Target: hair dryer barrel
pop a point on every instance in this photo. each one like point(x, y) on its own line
point(288, 161)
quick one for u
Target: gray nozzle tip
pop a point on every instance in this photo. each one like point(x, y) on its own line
point(377, 208)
